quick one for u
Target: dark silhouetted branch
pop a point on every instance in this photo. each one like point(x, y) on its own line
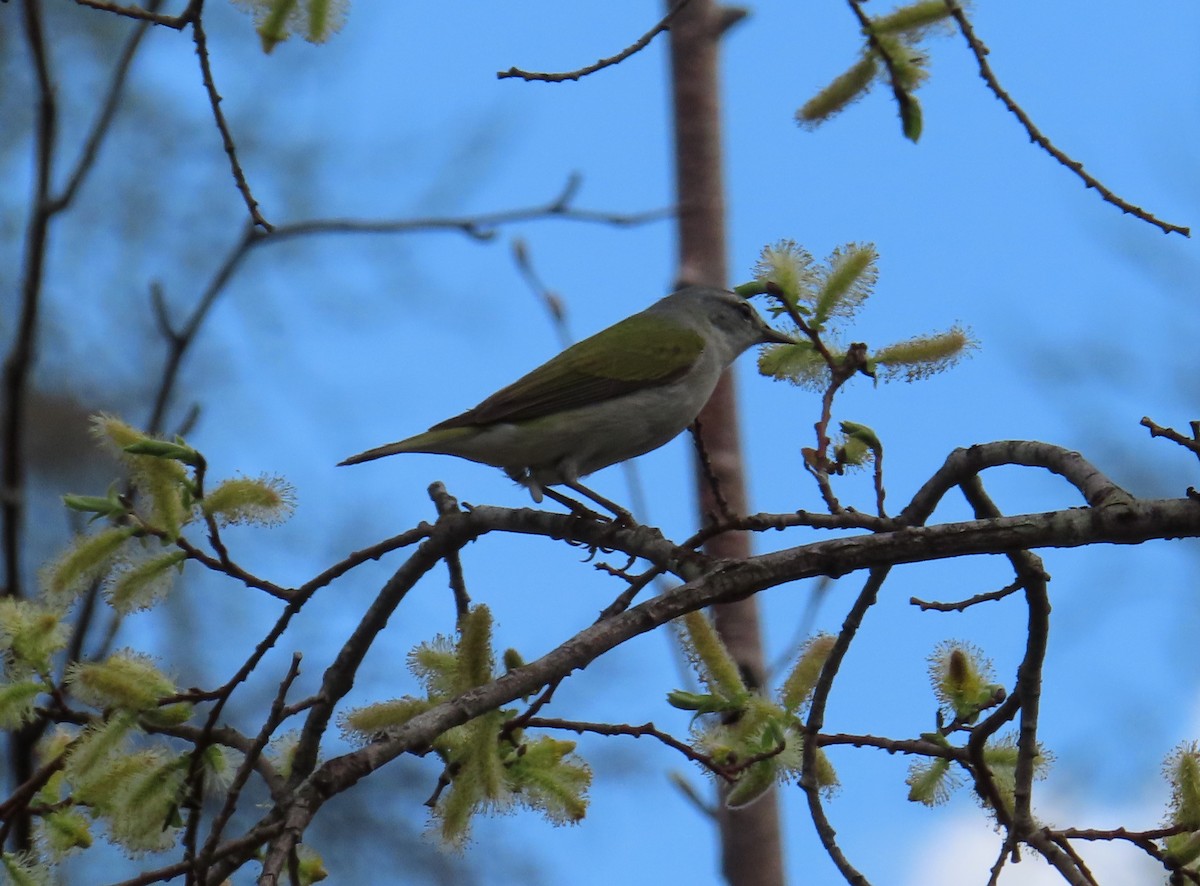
point(637, 46)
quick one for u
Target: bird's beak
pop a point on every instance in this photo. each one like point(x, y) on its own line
point(774, 336)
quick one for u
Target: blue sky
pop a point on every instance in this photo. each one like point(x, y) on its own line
point(323, 348)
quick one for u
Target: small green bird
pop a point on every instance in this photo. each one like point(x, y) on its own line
point(623, 392)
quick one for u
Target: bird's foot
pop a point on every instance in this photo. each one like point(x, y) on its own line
point(577, 508)
point(621, 516)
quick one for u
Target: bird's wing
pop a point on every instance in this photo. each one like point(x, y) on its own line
point(639, 351)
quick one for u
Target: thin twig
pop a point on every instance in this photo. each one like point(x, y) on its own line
point(228, 567)
point(816, 719)
point(446, 505)
point(904, 101)
point(646, 729)
point(214, 101)
point(479, 227)
point(522, 720)
point(176, 22)
point(726, 515)
point(638, 45)
point(980, 52)
point(276, 716)
point(964, 605)
point(108, 110)
point(19, 362)
point(243, 846)
point(549, 299)
point(313, 785)
point(18, 366)
point(1191, 444)
point(626, 597)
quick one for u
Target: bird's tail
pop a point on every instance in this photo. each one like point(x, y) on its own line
point(437, 441)
point(377, 452)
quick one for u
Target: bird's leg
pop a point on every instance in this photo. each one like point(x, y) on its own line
point(577, 508)
point(624, 518)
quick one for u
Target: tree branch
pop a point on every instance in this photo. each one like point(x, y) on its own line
point(637, 46)
point(1136, 522)
point(214, 101)
point(176, 22)
point(985, 71)
point(479, 227)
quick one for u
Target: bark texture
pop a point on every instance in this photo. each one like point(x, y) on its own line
point(751, 848)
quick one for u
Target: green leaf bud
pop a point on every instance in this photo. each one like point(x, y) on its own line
point(688, 701)
point(176, 451)
point(175, 714)
point(912, 120)
point(704, 703)
point(862, 433)
point(752, 784)
point(112, 505)
point(158, 475)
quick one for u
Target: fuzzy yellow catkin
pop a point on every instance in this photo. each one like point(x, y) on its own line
point(925, 355)
point(365, 722)
point(841, 92)
point(719, 670)
point(475, 661)
point(1183, 772)
point(83, 562)
point(787, 265)
point(912, 18)
point(927, 782)
point(800, 682)
point(849, 281)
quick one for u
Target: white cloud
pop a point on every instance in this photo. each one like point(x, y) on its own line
point(962, 847)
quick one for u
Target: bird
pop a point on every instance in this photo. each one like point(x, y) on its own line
point(616, 395)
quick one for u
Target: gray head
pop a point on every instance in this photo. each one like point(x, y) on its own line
point(727, 318)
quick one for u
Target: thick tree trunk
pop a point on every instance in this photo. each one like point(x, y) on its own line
point(751, 848)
